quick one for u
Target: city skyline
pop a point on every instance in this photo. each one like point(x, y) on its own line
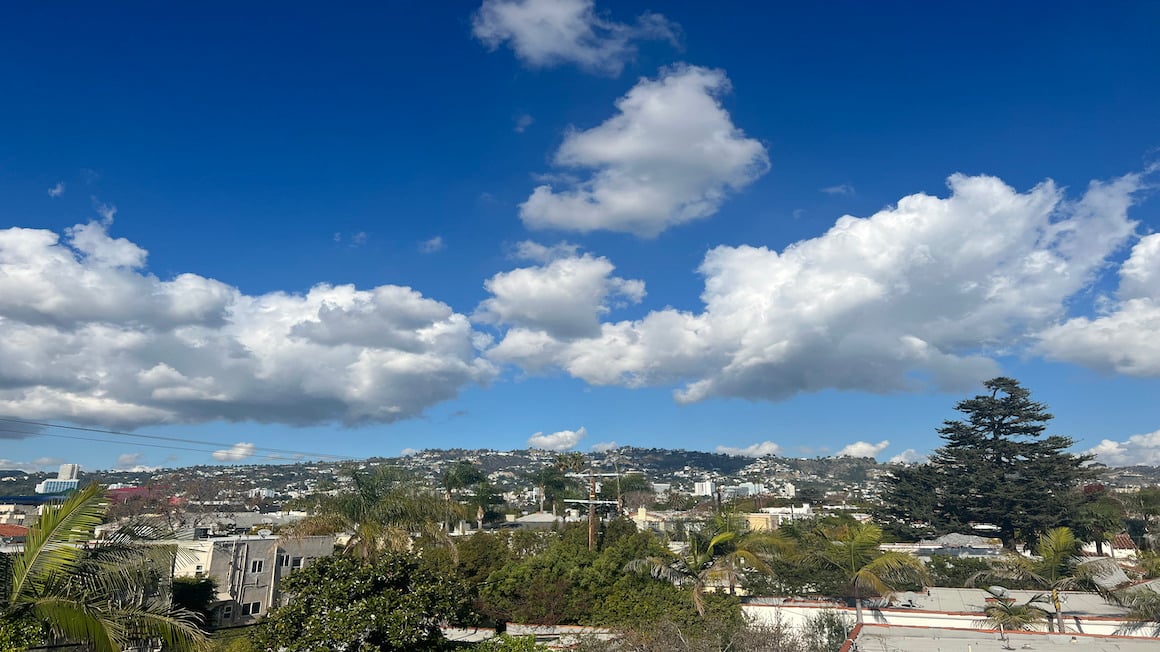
point(572, 225)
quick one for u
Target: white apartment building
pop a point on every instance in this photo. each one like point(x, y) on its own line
point(246, 570)
point(705, 488)
point(65, 480)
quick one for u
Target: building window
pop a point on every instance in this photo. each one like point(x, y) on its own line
point(199, 568)
point(227, 613)
point(297, 563)
point(256, 565)
point(285, 560)
point(251, 608)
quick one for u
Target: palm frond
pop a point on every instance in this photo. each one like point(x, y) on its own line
point(51, 545)
point(76, 620)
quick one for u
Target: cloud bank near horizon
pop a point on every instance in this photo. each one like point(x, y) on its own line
point(928, 293)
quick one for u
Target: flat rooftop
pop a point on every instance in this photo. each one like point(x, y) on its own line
point(873, 637)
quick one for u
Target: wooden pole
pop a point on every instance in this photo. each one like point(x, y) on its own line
point(591, 512)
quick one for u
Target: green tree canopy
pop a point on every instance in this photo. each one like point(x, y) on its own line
point(997, 467)
point(343, 603)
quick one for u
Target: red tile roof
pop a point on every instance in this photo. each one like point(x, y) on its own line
point(12, 530)
point(1123, 542)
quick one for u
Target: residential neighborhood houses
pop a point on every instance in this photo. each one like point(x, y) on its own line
point(235, 525)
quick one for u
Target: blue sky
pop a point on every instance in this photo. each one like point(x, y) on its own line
point(359, 230)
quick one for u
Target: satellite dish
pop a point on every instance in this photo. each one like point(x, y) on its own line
point(264, 532)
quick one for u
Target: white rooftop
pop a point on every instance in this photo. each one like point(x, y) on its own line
point(922, 639)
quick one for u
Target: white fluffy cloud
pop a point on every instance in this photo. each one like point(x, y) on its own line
point(920, 294)
point(604, 446)
point(671, 155)
point(563, 299)
point(57, 190)
point(908, 456)
point(756, 450)
point(1137, 449)
point(235, 453)
point(546, 33)
point(557, 441)
point(862, 449)
point(1124, 338)
point(87, 335)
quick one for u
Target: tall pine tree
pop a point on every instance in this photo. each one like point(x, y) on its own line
point(996, 467)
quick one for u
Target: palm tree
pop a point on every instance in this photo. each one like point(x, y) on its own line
point(721, 556)
point(551, 482)
point(1004, 614)
point(106, 595)
point(1057, 567)
point(1143, 610)
point(381, 512)
point(459, 476)
point(852, 550)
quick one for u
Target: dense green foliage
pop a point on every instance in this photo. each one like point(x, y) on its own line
point(390, 603)
point(565, 583)
point(996, 467)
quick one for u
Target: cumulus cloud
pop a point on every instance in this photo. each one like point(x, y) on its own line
point(88, 335)
point(842, 189)
point(1123, 339)
point(863, 449)
point(57, 190)
point(557, 441)
point(522, 122)
point(39, 464)
point(540, 253)
point(908, 456)
point(604, 446)
point(563, 299)
point(432, 245)
point(921, 294)
point(546, 33)
point(671, 155)
point(756, 450)
point(235, 453)
point(1137, 449)
point(407, 452)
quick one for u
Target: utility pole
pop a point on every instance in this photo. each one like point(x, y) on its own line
point(592, 502)
point(591, 511)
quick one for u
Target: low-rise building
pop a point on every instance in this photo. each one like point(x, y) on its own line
point(246, 571)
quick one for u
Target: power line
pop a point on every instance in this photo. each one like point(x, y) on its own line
point(44, 424)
